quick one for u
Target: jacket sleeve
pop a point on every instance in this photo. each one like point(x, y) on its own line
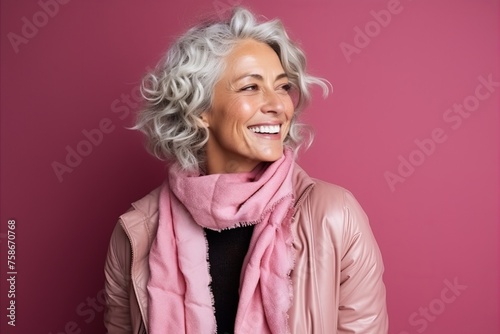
point(117, 284)
point(362, 300)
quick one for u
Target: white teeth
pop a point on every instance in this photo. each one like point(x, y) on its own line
point(266, 129)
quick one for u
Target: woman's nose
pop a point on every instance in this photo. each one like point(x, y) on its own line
point(273, 102)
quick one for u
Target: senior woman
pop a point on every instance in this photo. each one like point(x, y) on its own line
point(239, 239)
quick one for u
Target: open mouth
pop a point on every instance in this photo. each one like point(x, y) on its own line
point(267, 129)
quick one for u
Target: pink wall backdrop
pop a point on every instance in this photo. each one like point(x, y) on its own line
point(412, 129)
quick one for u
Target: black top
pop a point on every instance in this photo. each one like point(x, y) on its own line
point(226, 252)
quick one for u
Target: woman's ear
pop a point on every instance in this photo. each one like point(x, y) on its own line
point(204, 118)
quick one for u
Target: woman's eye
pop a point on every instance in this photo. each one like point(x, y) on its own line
point(249, 88)
point(286, 87)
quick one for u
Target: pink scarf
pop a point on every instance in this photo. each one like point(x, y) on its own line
point(180, 299)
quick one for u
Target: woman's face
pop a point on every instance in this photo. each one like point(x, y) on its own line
point(251, 110)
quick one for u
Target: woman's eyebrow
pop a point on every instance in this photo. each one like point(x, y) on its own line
point(260, 77)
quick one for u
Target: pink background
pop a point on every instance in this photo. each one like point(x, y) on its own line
point(437, 228)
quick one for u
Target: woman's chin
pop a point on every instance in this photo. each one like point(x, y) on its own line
point(271, 154)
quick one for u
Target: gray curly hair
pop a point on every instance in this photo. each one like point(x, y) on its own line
point(181, 86)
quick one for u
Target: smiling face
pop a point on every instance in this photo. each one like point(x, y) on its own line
point(251, 111)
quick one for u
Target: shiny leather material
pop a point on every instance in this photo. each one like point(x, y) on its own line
point(337, 278)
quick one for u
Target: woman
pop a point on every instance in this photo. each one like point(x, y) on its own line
point(239, 239)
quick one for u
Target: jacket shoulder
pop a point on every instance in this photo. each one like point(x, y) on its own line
point(144, 208)
point(331, 194)
point(321, 197)
point(137, 227)
point(316, 190)
point(140, 212)
point(142, 217)
point(333, 212)
point(331, 198)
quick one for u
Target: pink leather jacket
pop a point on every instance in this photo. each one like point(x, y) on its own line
point(337, 278)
